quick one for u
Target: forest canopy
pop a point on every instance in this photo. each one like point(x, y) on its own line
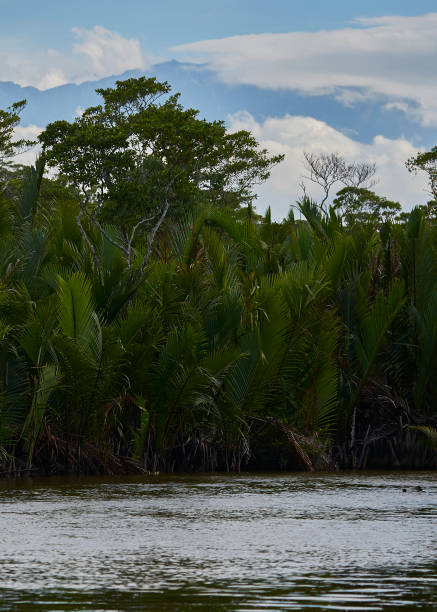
point(151, 320)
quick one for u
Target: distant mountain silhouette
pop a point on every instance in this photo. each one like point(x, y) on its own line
point(201, 89)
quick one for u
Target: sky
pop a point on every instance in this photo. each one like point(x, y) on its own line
point(355, 78)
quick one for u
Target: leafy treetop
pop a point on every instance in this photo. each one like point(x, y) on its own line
point(9, 147)
point(359, 205)
point(427, 162)
point(140, 149)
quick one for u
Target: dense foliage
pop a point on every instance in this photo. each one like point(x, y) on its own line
point(237, 342)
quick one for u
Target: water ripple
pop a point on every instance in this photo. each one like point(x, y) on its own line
point(246, 542)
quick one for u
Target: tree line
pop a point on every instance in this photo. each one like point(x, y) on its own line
point(151, 320)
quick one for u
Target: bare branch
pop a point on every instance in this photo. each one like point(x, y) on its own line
point(130, 239)
point(327, 169)
point(152, 238)
point(361, 175)
point(141, 222)
point(146, 257)
point(303, 189)
point(118, 245)
point(87, 240)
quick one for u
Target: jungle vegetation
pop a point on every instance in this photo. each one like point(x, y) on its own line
point(151, 320)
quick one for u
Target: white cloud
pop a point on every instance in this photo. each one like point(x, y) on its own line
point(98, 53)
point(401, 106)
point(30, 132)
point(389, 57)
point(108, 52)
point(292, 135)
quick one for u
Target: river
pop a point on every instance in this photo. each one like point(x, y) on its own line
point(350, 541)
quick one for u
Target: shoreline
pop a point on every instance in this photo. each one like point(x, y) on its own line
point(130, 476)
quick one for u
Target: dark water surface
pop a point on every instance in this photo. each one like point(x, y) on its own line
point(246, 542)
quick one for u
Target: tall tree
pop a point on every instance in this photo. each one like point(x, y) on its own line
point(426, 162)
point(359, 205)
point(329, 169)
point(140, 157)
point(10, 147)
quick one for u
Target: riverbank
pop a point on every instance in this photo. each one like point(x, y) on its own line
point(212, 338)
point(125, 467)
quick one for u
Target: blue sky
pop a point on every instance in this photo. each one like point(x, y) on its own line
point(160, 25)
point(358, 78)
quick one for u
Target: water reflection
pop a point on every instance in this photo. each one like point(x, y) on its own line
point(270, 542)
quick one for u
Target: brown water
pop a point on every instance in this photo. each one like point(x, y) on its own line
point(247, 542)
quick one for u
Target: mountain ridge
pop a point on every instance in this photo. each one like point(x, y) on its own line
point(201, 88)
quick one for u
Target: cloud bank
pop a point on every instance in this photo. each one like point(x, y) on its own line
point(292, 135)
point(393, 58)
point(97, 53)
